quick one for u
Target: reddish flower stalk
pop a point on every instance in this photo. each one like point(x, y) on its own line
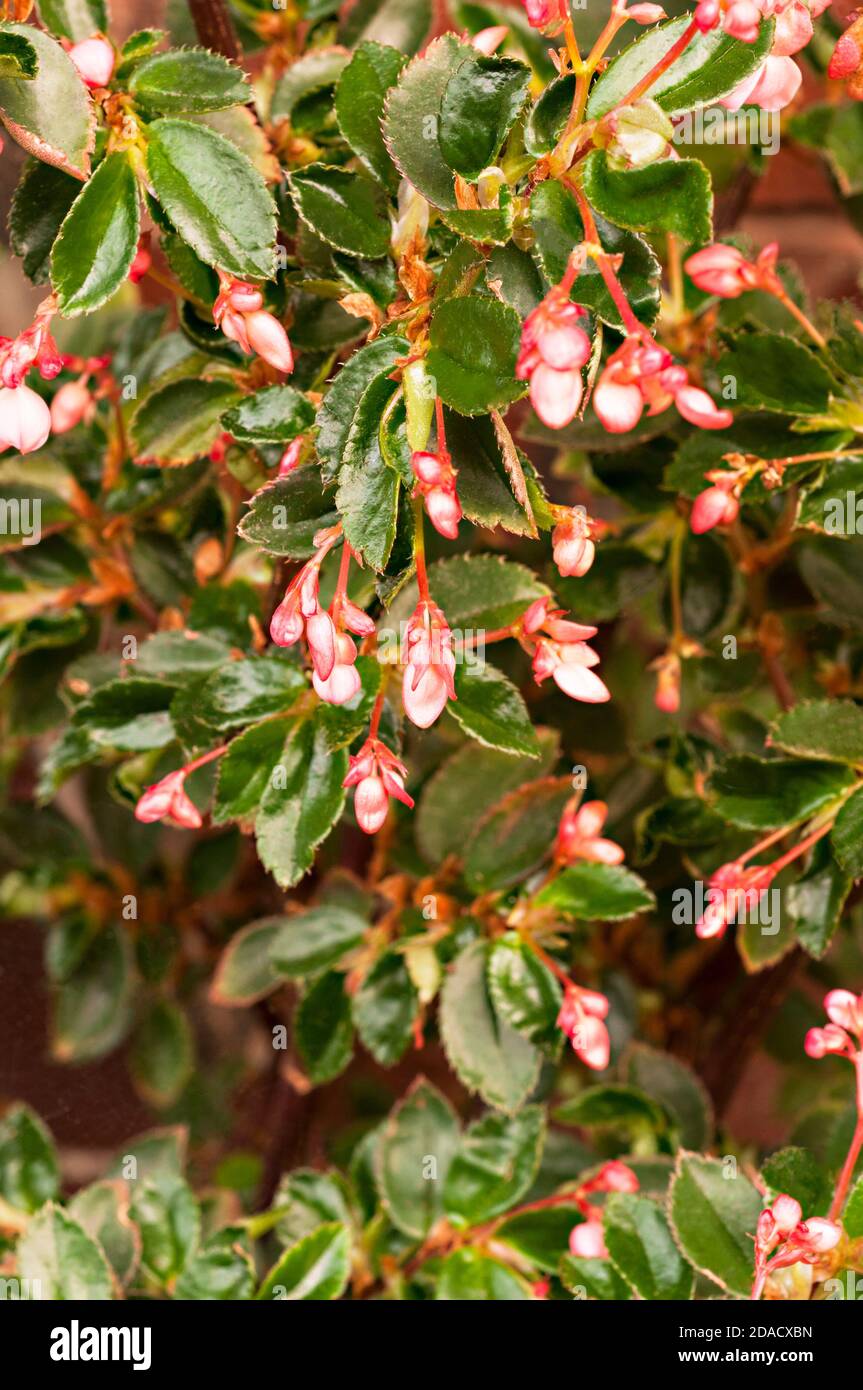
point(782, 1238)
point(843, 1037)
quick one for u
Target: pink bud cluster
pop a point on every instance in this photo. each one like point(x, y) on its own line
point(429, 674)
point(25, 420)
point(731, 891)
point(641, 375)
point(587, 1239)
point(436, 484)
point(377, 775)
point(843, 1035)
point(776, 81)
point(559, 649)
point(554, 349)
point(239, 312)
point(783, 1238)
point(581, 1020)
point(724, 271)
point(332, 650)
point(578, 835)
point(718, 505)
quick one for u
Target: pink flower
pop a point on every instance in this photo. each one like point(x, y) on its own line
point(343, 682)
point(573, 549)
point(559, 649)
point(553, 351)
point(646, 13)
point(640, 374)
point(291, 457)
point(588, 1241)
point(300, 612)
point(772, 86)
point(783, 1239)
point(430, 667)
point(824, 1042)
point(845, 1012)
point(94, 59)
point(578, 835)
point(240, 314)
point(377, 775)
point(168, 798)
point(668, 676)
point(436, 483)
point(542, 13)
point(732, 891)
point(723, 270)
point(72, 404)
point(25, 420)
point(581, 1019)
point(742, 20)
point(487, 40)
point(716, 506)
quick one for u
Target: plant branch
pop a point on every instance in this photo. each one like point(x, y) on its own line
point(215, 28)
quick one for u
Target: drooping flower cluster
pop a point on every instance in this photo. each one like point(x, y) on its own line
point(581, 1020)
point(25, 420)
point(642, 375)
point(578, 835)
point(733, 891)
point(559, 649)
point(554, 349)
point(429, 674)
point(377, 774)
point(436, 484)
point(169, 799)
point(776, 81)
point(843, 1035)
point(239, 312)
point(783, 1238)
point(587, 1238)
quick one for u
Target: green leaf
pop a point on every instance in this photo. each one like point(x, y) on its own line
point(246, 770)
point(188, 80)
point(479, 105)
point(774, 372)
point(180, 655)
point(548, 115)
point(470, 1276)
point(339, 409)
point(673, 195)
point(483, 591)
point(163, 1053)
point(313, 941)
point(128, 716)
point(368, 491)
point(491, 710)
point(514, 837)
point(852, 1217)
point(710, 67)
point(411, 118)
point(246, 972)
point(39, 204)
point(614, 1107)
point(275, 415)
point(796, 1172)
point(347, 210)
point(165, 1210)
point(102, 1210)
point(642, 1248)
point(597, 893)
point(525, 994)
point(316, 1268)
point(284, 517)
point(360, 95)
point(248, 690)
point(314, 72)
point(831, 729)
point(486, 1054)
point(18, 57)
point(474, 345)
point(487, 226)
point(301, 804)
point(385, 1007)
point(323, 1031)
point(93, 1006)
point(29, 1172)
point(98, 239)
point(467, 785)
point(675, 1086)
point(597, 1278)
point(214, 196)
point(51, 115)
point(57, 1256)
point(714, 1211)
point(311, 1198)
point(403, 24)
point(557, 227)
point(221, 1270)
point(816, 901)
point(846, 836)
point(181, 421)
point(74, 19)
point(494, 1165)
point(419, 1139)
point(542, 1236)
point(761, 794)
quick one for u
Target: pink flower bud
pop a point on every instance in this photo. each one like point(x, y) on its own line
point(646, 13)
point(94, 59)
point(371, 804)
point(846, 58)
point(618, 405)
point(820, 1042)
point(713, 507)
point(321, 637)
point(267, 337)
point(286, 624)
point(844, 1009)
point(818, 1234)
point(697, 407)
point(615, 1176)
point(541, 13)
point(555, 396)
point(588, 1241)
point(787, 1213)
point(591, 1043)
point(742, 20)
point(168, 797)
point(246, 299)
point(707, 14)
point(444, 511)
point(25, 420)
point(141, 261)
point(291, 457)
point(721, 270)
point(70, 406)
point(427, 468)
point(487, 40)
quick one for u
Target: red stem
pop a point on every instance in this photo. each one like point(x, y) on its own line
point(662, 66)
point(850, 1163)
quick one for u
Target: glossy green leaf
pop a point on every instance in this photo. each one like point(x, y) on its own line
point(642, 1248)
point(673, 195)
point(831, 729)
point(483, 591)
point(674, 1085)
point(57, 1257)
point(314, 940)
point(163, 1053)
point(187, 80)
point(487, 1055)
point(411, 119)
point(40, 202)
point(714, 1211)
point(815, 902)
point(275, 415)
point(489, 708)
point(316, 1268)
point(74, 19)
point(597, 893)
point(846, 836)
point(774, 372)
point(102, 1210)
point(221, 1270)
point(515, 836)
point(246, 971)
point(341, 404)
point(168, 1216)
point(323, 1032)
point(419, 1139)
point(474, 344)
point(593, 1278)
point(360, 95)
point(494, 1165)
point(347, 210)
point(29, 1172)
point(385, 1007)
point(469, 1276)
point(248, 690)
point(795, 1172)
point(246, 770)
point(18, 57)
point(98, 239)
point(763, 795)
point(480, 103)
point(181, 421)
point(284, 517)
point(51, 114)
point(524, 992)
point(300, 805)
